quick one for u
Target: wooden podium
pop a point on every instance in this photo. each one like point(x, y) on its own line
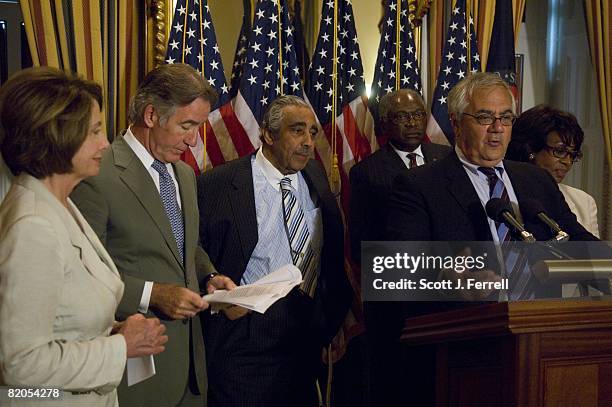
point(528, 353)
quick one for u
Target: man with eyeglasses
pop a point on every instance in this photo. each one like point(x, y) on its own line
point(482, 111)
point(402, 122)
point(445, 201)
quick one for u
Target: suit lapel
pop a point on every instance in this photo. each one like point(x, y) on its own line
point(460, 186)
point(428, 152)
point(242, 203)
point(137, 179)
point(392, 161)
point(78, 236)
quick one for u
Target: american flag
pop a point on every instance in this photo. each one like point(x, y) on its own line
point(453, 68)
point(270, 48)
point(240, 54)
point(354, 124)
point(394, 72)
point(192, 41)
point(501, 51)
point(301, 51)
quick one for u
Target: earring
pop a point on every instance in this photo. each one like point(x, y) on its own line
point(531, 157)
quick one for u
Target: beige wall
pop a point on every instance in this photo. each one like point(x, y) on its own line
point(227, 18)
point(367, 14)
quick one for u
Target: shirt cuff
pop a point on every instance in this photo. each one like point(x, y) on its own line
point(146, 297)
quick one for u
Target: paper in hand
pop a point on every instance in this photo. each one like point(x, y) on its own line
point(260, 295)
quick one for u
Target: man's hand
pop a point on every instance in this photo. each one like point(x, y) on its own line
point(235, 311)
point(221, 282)
point(176, 302)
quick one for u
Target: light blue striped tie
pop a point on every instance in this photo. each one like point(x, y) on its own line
point(167, 191)
point(298, 235)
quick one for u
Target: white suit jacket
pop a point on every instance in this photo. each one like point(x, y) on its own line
point(59, 290)
point(584, 207)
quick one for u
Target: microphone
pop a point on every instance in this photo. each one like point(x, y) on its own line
point(501, 212)
point(533, 210)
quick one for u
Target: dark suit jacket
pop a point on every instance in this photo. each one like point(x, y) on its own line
point(228, 232)
point(371, 183)
point(438, 203)
point(125, 210)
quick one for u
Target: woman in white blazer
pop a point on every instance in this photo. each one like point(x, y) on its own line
point(59, 289)
point(551, 138)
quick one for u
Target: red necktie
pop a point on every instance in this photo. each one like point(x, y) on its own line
point(413, 162)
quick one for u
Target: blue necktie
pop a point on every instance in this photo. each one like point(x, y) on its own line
point(497, 190)
point(167, 191)
point(521, 281)
point(298, 234)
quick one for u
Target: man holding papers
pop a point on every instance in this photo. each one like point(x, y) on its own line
point(257, 214)
point(142, 205)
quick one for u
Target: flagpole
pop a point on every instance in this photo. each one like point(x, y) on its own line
point(397, 43)
point(469, 40)
point(204, 152)
point(335, 170)
point(280, 48)
point(416, 31)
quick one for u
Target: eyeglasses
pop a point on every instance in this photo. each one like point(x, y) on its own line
point(487, 119)
point(563, 152)
point(401, 117)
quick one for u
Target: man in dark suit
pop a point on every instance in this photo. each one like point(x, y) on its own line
point(143, 207)
point(482, 110)
point(402, 120)
point(257, 214)
point(445, 201)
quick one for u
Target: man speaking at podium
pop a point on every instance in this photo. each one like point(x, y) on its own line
point(445, 201)
point(482, 110)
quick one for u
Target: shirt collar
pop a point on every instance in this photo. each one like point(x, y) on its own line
point(141, 152)
point(272, 174)
point(403, 153)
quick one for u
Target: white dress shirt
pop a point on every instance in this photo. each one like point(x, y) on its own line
point(420, 158)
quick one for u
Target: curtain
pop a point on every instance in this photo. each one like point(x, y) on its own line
point(96, 39)
point(599, 27)
point(66, 35)
point(518, 10)
point(125, 61)
point(483, 12)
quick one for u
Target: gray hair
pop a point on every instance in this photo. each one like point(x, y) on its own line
point(274, 115)
point(167, 87)
point(460, 96)
point(385, 102)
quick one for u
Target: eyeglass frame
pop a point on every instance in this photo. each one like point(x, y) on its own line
point(565, 151)
point(481, 116)
point(407, 116)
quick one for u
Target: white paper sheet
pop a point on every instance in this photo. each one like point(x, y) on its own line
point(139, 369)
point(260, 295)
